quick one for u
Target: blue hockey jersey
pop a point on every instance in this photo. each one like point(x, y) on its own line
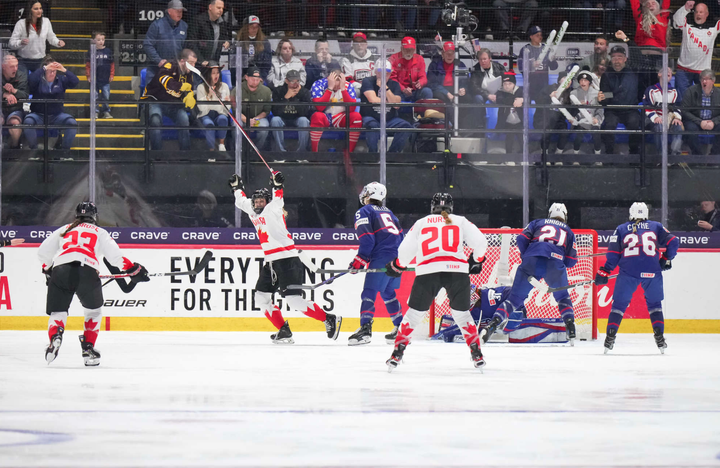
point(490, 299)
point(378, 231)
point(548, 238)
point(636, 248)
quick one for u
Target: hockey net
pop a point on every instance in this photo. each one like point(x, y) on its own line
point(501, 262)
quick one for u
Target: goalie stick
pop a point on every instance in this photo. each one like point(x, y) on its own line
point(545, 289)
point(199, 266)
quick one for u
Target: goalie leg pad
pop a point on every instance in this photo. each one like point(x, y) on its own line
point(514, 320)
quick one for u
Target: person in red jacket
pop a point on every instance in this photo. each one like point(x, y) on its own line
point(409, 71)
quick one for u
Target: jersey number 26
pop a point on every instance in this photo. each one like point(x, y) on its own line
point(648, 241)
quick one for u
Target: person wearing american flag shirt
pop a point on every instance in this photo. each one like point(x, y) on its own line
point(282, 266)
point(334, 88)
point(698, 41)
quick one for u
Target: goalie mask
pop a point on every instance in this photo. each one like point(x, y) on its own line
point(441, 202)
point(558, 210)
point(638, 211)
point(261, 194)
point(87, 211)
point(373, 191)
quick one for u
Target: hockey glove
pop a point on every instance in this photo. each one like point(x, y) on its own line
point(236, 183)
point(48, 275)
point(189, 101)
point(186, 87)
point(138, 273)
point(665, 263)
point(475, 266)
point(277, 179)
point(601, 277)
point(358, 263)
point(394, 269)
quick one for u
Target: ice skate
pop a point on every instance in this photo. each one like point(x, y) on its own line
point(610, 340)
point(89, 353)
point(476, 356)
point(390, 337)
point(660, 340)
point(52, 351)
point(332, 325)
point(362, 335)
point(570, 329)
point(490, 329)
point(396, 357)
point(283, 336)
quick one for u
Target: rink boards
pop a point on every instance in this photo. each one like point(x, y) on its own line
point(221, 299)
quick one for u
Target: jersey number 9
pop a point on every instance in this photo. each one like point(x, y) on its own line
point(449, 236)
point(549, 233)
point(648, 241)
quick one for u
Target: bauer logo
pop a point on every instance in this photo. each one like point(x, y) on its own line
point(572, 52)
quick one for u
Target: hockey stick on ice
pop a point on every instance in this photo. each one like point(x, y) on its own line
point(199, 266)
point(229, 114)
point(545, 289)
point(315, 286)
point(369, 270)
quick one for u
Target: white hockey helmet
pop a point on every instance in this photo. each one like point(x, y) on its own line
point(558, 210)
point(373, 191)
point(638, 210)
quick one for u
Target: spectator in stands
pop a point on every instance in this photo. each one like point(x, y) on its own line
point(284, 61)
point(168, 89)
point(104, 73)
point(600, 52)
point(334, 88)
point(705, 116)
point(14, 88)
point(510, 116)
point(165, 39)
point(598, 71)
point(409, 71)
point(255, 47)
point(539, 72)
point(550, 119)
point(370, 93)
point(587, 94)
point(441, 80)
point(612, 14)
point(697, 44)
point(622, 83)
point(410, 14)
point(213, 115)
point(359, 65)
point(372, 15)
point(318, 66)
point(528, 14)
point(206, 213)
point(483, 82)
point(209, 34)
point(30, 35)
point(51, 84)
point(711, 216)
point(285, 113)
point(259, 98)
point(654, 117)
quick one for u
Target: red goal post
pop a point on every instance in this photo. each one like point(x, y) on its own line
point(501, 262)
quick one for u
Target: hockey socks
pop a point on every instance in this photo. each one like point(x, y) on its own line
point(92, 325)
point(614, 320)
point(314, 311)
point(393, 308)
point(565, 308)
point(310, 309)
point(658, 321)
point(467, 326)
point(57, 320)
point(275, 317)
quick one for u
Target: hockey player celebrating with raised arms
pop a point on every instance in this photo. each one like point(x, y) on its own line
point(547, 250)
point(379, 234)
point(437, 244)
point(70, 262)
point(282, 265)
point(635, 247)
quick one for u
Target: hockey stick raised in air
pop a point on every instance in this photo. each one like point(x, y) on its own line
point(199, 266)
point(229, 114)
point(545, 289)
point(315, 286)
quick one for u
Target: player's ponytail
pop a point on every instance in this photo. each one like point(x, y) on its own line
point(446, 216)
point(635, 224)
point(75, 224)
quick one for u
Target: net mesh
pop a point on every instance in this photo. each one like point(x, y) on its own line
point(497, 272)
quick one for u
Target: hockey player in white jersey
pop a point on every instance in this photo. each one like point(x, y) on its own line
point(282, 264)
point(437, 244)
point(70, 259)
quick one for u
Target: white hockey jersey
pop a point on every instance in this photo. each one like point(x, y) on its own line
point(438, 247)
point(358, 68)
point(697, 42)
point(273, 235)
point(86, 243)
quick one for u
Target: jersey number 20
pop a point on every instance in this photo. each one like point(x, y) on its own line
point(448, 235)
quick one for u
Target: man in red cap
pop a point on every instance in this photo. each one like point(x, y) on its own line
point(359, 64)
point(409, 71)
point(441, 77)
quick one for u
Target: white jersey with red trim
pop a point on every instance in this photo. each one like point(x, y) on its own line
point(438, 247)
point(697, 45)
point(85, 243)
point(274, 237)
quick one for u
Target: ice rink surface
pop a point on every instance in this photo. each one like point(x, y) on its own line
point(235, 399)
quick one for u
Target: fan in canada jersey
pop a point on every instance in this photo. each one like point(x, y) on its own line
point(547, 249)
point(282, 265)
point(436, 243)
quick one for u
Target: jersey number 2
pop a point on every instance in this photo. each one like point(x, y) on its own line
point(449, 236)
point(647, 240)
point(549, 233)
